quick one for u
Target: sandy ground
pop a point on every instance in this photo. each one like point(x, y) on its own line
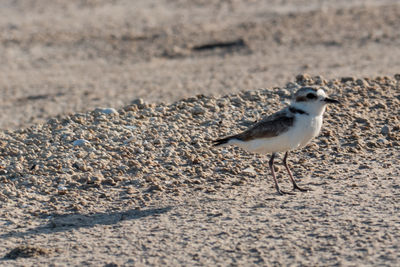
point(61, 57)
point(140, 184)
point(143, 185)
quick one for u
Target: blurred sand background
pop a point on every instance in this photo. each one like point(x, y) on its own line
point(60, 57)
point(143, 186)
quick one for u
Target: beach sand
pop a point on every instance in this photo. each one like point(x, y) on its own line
point(109, 109)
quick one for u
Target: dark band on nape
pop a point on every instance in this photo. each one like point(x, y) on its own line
point(296, 110)
point(301, 99)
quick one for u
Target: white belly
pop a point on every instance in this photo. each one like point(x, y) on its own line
point(304, 129)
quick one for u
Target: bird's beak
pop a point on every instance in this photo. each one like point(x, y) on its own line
point(331, 101)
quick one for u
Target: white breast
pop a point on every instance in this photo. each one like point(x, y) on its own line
point(305, 128)
point(308, 127)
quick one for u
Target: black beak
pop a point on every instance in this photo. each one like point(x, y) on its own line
point(331, 101)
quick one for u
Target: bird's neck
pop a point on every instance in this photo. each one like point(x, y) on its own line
point(313, 109)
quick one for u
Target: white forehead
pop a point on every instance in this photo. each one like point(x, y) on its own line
point(321, 93)
point(306, 90)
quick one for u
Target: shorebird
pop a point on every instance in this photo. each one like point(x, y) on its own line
point(288, 129)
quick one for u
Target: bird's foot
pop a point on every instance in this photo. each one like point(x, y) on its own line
point(295, 186)
point(281, 192)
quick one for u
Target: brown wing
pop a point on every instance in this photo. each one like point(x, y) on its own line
point(270, 126)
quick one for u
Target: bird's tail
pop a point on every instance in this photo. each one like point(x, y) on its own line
point(222, 141)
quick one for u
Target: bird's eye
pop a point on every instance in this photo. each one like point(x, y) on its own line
point(311, 96)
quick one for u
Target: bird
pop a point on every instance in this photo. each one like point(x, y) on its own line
point(289, 129)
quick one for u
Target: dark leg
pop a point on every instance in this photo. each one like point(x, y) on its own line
point(271, 166)
point(295, 186)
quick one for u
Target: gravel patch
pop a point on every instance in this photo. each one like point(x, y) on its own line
point(145, 150)
point(153, 165)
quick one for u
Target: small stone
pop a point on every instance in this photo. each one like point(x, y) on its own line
point(364, 166)
point(80, 166)
point(302, 78)
point(62, 190)
point(95, 179)
point(108, 181)
point(362, 82)
point(371, 144)
point(139, 150)
point(158, 141)
point(139, 103)
point(385, 130)
point(252, 96)
point(327, 133)
point(361, 120)
point(380, 105)
point(292, 86)
point(319, 80)
point(107, 111)
point(237, 101)
point(131, 127)
point(222, 102)
point(382, 141)
point(397, 76)
point(155, 187)
point(249, 170)
point(197, 110)
point(347, 79)
point(80, 142)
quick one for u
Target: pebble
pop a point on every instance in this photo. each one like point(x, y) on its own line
point(107, 111)
point(249, 170)
point(385, 130)
point(303, 78)
point(347, 79)
point(139, 103)
point(380, 105)
point(131, 127)
point(80, 142)
point(362, 82)
point(197, 110)
point(382, 141)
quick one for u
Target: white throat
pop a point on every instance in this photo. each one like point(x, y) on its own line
point(313, 108)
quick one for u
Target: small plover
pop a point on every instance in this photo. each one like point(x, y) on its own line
point(288, 129)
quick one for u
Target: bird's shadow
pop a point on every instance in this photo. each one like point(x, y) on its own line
point(67, 222)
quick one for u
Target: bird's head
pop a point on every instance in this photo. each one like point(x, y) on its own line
point(312, 100)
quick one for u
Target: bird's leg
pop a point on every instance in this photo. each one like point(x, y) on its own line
point(295, 186)
point(271, 166)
